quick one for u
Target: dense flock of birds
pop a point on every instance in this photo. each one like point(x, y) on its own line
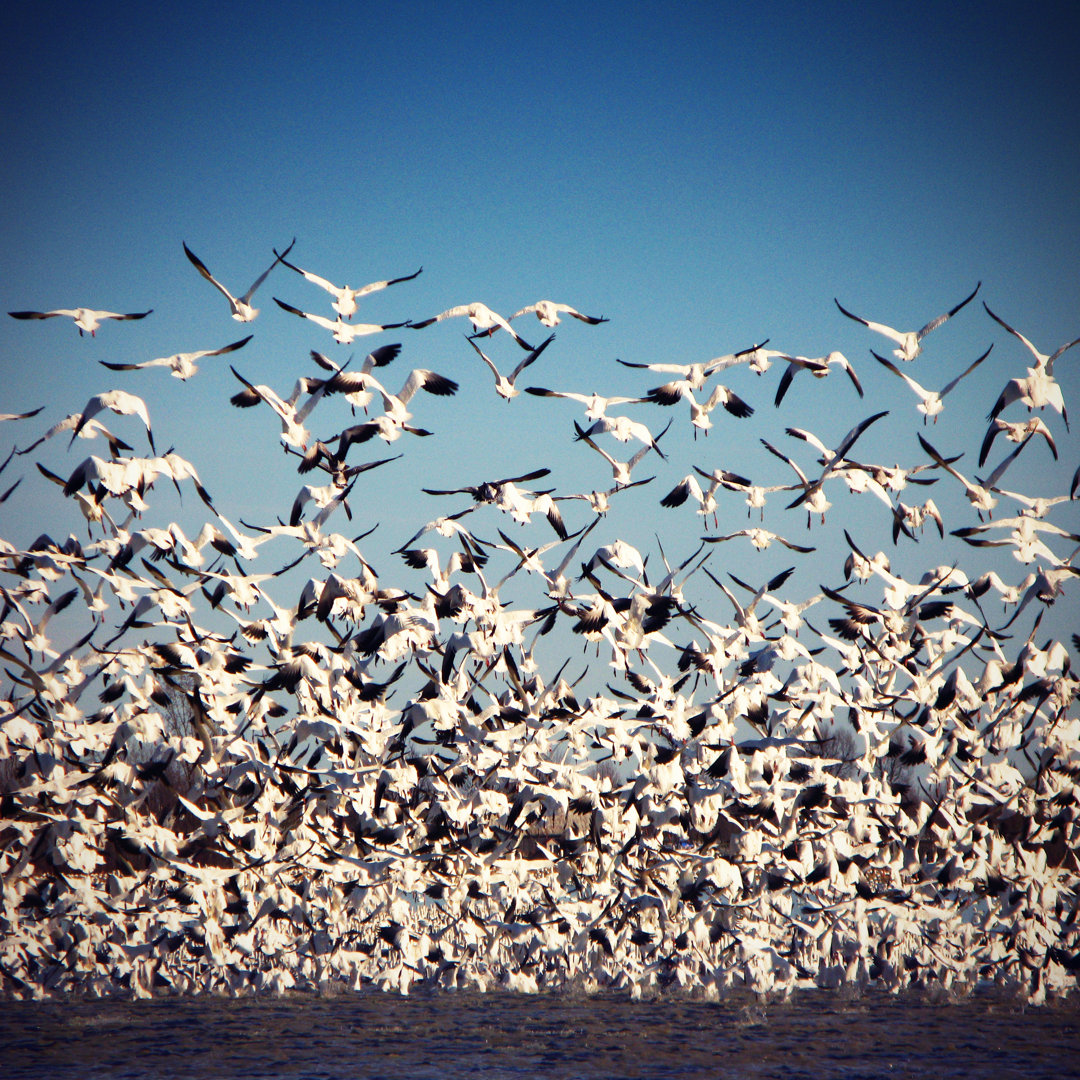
point(236, 772)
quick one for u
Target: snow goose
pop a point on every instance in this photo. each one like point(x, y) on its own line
point(241, 308)
point(596, 406)
point(930, 401)
point(293, 432)
point(760, 538)
point(504, 384)
point(757, 356)
point(979, 494)
point(620, 470)
point(624, 429)
point(119, 402)
point(812, 494)
point(705, 498)
point(1016, 432)
point(86, 319)
point(548, 312)
point(344, 297)
point(1039, 388)
point(817, 366)
point(483, 319)
point(181, 365)
point(394, 421)
point(910, 341)
point(671, 393)
point(344, 333)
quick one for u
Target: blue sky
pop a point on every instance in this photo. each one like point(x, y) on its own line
point(706, 175)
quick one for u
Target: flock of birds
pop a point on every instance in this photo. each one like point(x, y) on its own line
point(228, 771)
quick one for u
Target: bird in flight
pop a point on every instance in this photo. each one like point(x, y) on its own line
point(86, 319)
point(910, 341)
point(344, 332)
point(548, 312)
point(483, 319)
point(181, 365)
point(344, 297)
point(241, 308)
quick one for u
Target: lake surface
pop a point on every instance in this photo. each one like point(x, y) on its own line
point(499, 1035)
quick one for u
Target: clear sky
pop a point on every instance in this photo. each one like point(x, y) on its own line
point(706, 175)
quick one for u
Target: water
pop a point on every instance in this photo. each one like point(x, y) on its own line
point(496, 1036)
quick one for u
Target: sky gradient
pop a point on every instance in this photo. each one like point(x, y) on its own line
point(704, 175)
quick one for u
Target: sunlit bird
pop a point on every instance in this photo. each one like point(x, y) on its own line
point(910, 341)
point(240, 308)
point(86, 319)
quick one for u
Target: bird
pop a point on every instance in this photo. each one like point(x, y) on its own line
point(395, 419)
point(671, 393)
point(624, 429)
point(706, 498)
point(86, 319)
point(620, 470)
point(240, 308)
point(483, 319)
point(812, 494)
point(344, 332)
point(344, 297)
point(1038, 388)
point(354, 384)
point(596, 405)
point(600, 501)
point(292, 416)
point(504, 384)
point(818, 367)
point(119, 402)
point(930, 401)
point(1015, 432)
point(757, 356)
point(182, 365)
point(548, 312)
point(979, 494)
point(760, 538)
point(910, 341)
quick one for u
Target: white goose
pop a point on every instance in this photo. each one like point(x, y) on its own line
point(548, 312)
point(181, 365)
point(483, 319)
point(86, 319)
point(344, 333)
point(930, 401)
point(240, 308)
point(119, 402)
point(620, 470)
point(817, 366)
point(910, 341)
point(344, 297)
point(504, 384)
point(1038, 388)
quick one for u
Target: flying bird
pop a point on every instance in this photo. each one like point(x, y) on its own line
point(119, 402)
point(1038, 388)
point(910, 341)
point(86, 319)
point(504, 384)
point(1016, 432)
point(817, 366)
point(344, 297)
point(344, 332)
point(483, 319)
point(930, 401)
point(181, 365)
point(241, 308)
point(548, 312)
